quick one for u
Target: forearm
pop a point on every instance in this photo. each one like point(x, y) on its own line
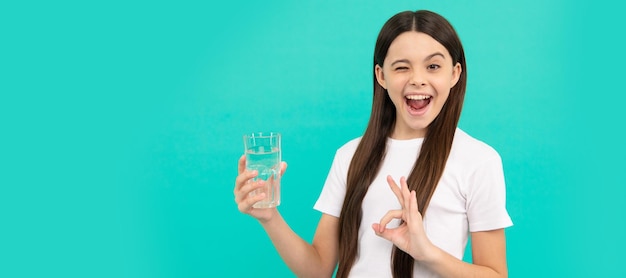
point(300, 256)
point(449, 266)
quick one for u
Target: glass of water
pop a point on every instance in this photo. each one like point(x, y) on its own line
point(262, 150)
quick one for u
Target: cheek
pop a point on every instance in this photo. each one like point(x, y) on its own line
point(394, 90)
point(443, 85)
point(396, 85)
point(396, 99)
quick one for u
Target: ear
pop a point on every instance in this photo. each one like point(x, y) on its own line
point(456, 74)
point(380, 76)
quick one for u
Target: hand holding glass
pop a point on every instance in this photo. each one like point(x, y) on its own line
point(262, 150)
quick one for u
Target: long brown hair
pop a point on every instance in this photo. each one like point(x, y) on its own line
point(369, 155)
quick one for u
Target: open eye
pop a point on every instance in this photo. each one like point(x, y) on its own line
point(433, 66)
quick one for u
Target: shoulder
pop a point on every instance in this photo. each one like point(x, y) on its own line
point(349, 148)
point(469, 149)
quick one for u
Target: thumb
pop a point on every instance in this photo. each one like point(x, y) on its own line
point(381, 231)
point(283, 167)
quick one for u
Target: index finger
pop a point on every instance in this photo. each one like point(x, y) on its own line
point(242, 164)
point(396, 190)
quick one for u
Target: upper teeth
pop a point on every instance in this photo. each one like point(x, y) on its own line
point(417, 97)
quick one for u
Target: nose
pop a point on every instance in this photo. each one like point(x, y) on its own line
point(417, 79)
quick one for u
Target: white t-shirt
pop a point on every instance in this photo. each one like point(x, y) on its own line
point(470, 197)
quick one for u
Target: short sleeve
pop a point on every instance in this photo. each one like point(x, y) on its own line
point(331, 198)
point(486, 201)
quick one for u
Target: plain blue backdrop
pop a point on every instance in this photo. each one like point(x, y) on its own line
point(121, 125)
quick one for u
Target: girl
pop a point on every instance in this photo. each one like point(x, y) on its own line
point(374, 225)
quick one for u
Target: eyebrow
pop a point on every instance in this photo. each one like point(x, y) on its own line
point(425, 59)
point(433, 55)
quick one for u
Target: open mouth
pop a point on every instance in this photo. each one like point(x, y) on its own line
point(417, 103)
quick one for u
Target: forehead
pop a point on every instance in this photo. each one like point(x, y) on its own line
point(415, 46)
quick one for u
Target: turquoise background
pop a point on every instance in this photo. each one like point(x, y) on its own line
point(121, 126)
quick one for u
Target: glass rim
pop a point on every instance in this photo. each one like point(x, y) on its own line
point(261, 134)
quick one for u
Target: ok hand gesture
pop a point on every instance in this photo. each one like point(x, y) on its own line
point(410, 236)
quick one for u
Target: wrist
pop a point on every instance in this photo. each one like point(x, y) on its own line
point(269, 217)
point(431, 255)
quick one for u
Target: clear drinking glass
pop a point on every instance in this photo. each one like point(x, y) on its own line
point(262, 150)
